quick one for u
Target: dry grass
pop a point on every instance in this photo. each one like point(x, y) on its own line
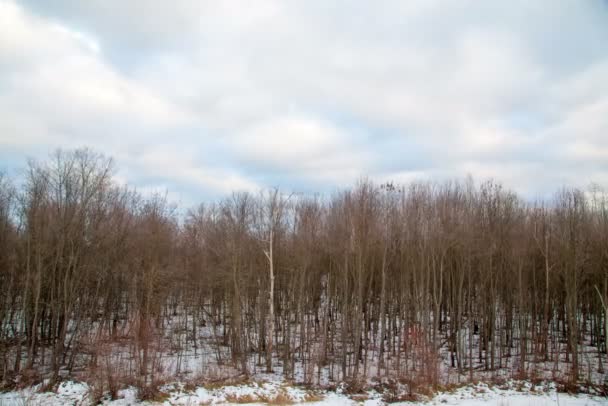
point(220, 383)
point(313, 397)
point(359, 397)
point(280, 398)
point(355, 386)
point(190, 386)
point(152, 393)
point(233, 398)
point(449, 388)
point(403, 397)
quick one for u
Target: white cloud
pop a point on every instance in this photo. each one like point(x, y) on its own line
point(302, 145)
point(318, 92)
point(66, 87)
point(179, 166)
point(59, 92)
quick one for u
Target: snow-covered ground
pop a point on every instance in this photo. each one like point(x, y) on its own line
point(513, 394)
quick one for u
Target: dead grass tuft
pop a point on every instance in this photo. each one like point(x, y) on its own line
point(354, 386)
point(359, 397)
point(152, 393)
point(281, 398)
point(313, 397)
point(233, 398)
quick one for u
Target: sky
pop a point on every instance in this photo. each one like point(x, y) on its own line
point(202, 98)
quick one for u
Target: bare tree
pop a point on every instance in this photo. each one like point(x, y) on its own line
point(389, 281)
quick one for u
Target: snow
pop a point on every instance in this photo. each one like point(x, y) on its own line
point(67, 393)
point(190, 347)
point(77, 393)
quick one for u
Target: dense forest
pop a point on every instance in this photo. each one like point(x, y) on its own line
point(430, 283)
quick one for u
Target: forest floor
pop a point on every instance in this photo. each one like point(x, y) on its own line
point(192, 375)
point(511, 393)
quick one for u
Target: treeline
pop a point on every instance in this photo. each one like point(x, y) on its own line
point(387, 281)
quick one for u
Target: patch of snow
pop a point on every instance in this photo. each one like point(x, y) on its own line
point(510, 394)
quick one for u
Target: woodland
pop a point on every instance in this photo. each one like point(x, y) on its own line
point(429, 283)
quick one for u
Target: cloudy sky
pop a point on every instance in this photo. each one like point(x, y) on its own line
point(205, 97)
